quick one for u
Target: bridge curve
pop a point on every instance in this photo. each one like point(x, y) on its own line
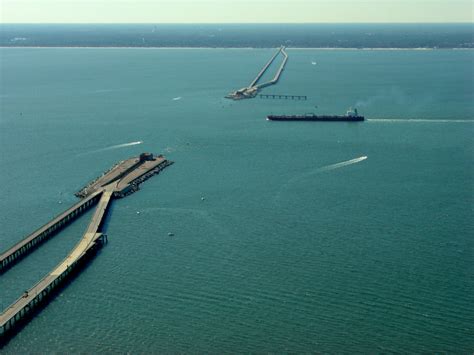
point(252, 90)
point(16, 252)
point(38, 293)
point(264, 69)
point(121, 180)
point(278, 73)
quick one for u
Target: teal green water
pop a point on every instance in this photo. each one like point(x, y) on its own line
point(300, 245)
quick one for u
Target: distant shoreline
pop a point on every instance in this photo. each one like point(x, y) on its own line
point(288, 48)
point(241, 36)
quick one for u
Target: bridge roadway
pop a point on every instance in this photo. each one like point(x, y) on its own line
point(29, 243)
point(278, 73)
point(252, 90)
point(264, 69)
point(38, 292)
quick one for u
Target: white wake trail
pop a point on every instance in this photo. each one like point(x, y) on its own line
point(342, 164)
point(416, 120)
point(304, 176)
point(122, 145)
point(118, 146)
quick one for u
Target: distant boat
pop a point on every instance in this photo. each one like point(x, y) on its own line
point(314, 63)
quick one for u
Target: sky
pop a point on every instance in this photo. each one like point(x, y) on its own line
point(235, 11)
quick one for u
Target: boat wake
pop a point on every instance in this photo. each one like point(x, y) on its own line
point(121, 145)
point(415, 120)
point(177, 98)
point(118, 146)
point(306, 175)
point(342, 164)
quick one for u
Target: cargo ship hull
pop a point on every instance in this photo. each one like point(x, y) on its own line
point(324, 118)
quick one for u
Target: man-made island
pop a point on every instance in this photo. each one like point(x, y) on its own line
point(121, 180)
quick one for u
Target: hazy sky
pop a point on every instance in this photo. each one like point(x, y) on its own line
point(234, 11)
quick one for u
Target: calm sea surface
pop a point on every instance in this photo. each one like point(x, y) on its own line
point(330, 237)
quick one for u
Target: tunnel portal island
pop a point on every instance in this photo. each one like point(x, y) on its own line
point(119, 181)
point(127, 175)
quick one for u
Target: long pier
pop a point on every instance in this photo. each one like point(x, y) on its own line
point(278, 73)
point(264, 69)
point(120, 181)
point(252, 90)
point(15, 253)
point(286, 97)
point(33, 297)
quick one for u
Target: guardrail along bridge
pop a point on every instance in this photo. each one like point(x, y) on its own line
point(121, 180)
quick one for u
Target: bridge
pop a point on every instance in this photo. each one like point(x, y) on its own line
point(31, 298)
point(264, 69)
point(252, 90)
point(278, 73)
point(286, 97)
point(35, 239)
point(119, 181)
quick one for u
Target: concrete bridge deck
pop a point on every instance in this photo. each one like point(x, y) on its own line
point(123, 179)
point(38, 292)
point(29, 243)
point(264, 69)
point(252, 90)
point(278, 73)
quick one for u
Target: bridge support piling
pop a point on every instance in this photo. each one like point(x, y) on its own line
point(14, 324)
point(281, 97)
point(34, 240)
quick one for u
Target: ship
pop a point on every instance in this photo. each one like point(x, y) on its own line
point(350, 116)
